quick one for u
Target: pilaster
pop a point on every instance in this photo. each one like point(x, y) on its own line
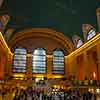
point(86, 65)
point(98, 61)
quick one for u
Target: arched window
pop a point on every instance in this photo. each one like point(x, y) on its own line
point(39, 61)
point(91, 34)
point(79, 43)
point(58, 62)
point(19, 63)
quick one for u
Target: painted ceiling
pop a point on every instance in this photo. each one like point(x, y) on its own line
point(66, 16)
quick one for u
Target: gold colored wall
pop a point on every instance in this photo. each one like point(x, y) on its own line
point(84, 62)
point(5, 61)
point(80, 64)
point(41, 38)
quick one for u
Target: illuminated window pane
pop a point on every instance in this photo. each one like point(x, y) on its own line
point(91, 34)
point(58, 62)
point(56, 53)
point(39, 64)
point(39, 51)
point(19, 63)
point(20, 51)
point(39, 61)
point(79, 43)
point(59, 58)
point(40, 58)
point(20, 57)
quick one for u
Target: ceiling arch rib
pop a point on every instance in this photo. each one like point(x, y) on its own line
point(45, 35)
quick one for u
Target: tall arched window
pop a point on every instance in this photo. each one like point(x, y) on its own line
point(39, 61)
point(58, 61)
point(19, 63)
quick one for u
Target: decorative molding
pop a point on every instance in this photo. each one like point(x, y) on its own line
point(42, 33)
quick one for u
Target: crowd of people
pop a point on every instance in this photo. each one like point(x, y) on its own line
point(29, 93)
point(77, 95)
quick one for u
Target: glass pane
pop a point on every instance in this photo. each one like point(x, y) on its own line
point(58, 53)
point(58, 61)
point(20, 51)
point(39, 51)
point(58, 58)
point(58, 68)
point(19, 70)
point(39, 65)
point(39, 57)
point(20, 67)
point(79, 43)
point(20, 57)
point(39, 70)
point(19, 62)
point(39, 62)
point(91, 34)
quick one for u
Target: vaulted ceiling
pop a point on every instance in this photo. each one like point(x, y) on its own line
point(66, 16)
